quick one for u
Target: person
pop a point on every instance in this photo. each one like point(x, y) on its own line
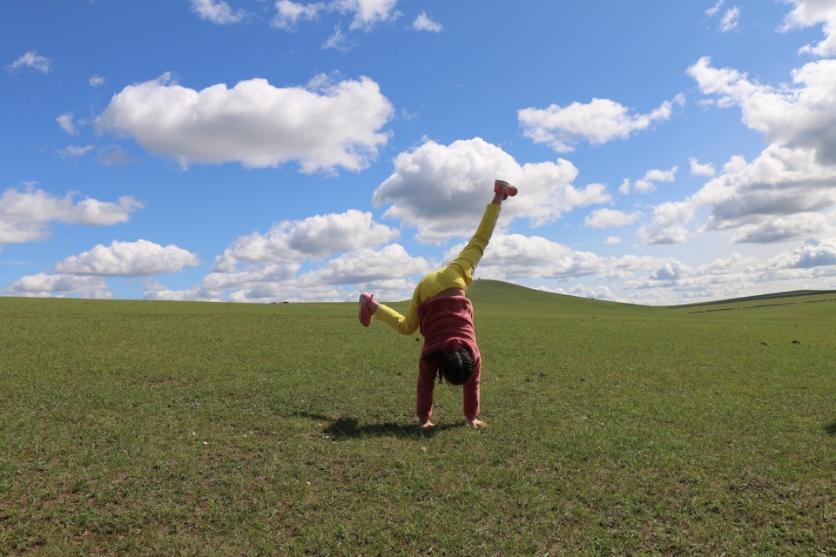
point(445, 316)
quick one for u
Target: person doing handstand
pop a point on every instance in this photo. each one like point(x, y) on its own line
point(439, 307)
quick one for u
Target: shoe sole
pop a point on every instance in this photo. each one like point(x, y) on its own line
point(503, 187)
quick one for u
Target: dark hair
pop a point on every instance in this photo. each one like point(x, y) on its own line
point(455, 366)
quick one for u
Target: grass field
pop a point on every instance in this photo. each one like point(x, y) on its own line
point(219, 429)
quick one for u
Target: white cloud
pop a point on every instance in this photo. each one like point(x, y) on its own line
point(368, 13)
point(289, 13)
point(74, 151)
point(424, 23)
point(255, 123)
point(612, 240)
point(815, 253)
point(31, 59)
point(519, 257)
point(314, 237)
point(608, 218)
point(598, 122)
point(596, 292)
point(730, 20)
point(657, 175)
point(809, 266)
point(216, 11)
point(803, 115)
point(25, 214)
point(668, 223)
point(67, 124)
point(779, 229)
point(387, 271)
point(712, 11)
point(370, 265)
point(783, 194)
point(781, 182)
point(153, 290)
point(442, 190)
point(647, 183)
point(112, 155)
point(96, 81)
point(59, 286)
point(700, 169)
point(128, 259)
point(808, 13)
point(786, 192)
point(337, 40)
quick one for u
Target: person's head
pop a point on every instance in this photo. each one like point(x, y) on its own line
point(455, 366)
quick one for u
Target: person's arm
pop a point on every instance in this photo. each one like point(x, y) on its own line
point(424, 392)
point(471, 393)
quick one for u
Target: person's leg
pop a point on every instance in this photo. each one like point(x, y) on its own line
point(463, 266)
point(369, 308)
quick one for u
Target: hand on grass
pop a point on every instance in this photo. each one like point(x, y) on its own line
point(476, 423)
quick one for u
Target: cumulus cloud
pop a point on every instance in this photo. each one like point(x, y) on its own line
point(701, 169)
point(128, 259)
point(368, 13)
point(809, 13)
point(217, 11)
point(597, 122)
point(43, 285)
point(730, 19)
point(517, 256)
point(424, 23)
point(66, 122)
point(803, 115)
point(815, 253)
point(442, 189)
point(96, 81)
point(647, 183)
point(612, 240)
point(609, 218)
point(33, 60)
point(597, 292)
point(255, 123)
point(388, 271)
point(668, 225)
point(289, 13)
point(808, 266)
point(25, 214)
point(786, 192)
point(768, 198)
point(370, 265)
point(314, 237)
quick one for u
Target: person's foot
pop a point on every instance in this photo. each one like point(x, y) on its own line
point(366, 312)
point(504, 189)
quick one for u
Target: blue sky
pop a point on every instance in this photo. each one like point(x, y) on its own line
point(257, 151)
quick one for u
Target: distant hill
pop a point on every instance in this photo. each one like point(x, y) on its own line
point(486, 291)
point(773, 296)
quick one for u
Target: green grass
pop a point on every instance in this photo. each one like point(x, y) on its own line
point(220, 429)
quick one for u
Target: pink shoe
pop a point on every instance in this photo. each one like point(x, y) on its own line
point(365, 312)
point(506, 189)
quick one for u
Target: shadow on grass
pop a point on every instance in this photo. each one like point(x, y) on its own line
point(349, 428)
point(831, 429)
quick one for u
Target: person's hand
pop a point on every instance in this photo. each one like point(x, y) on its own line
point(426, 426)
point(476, 423)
